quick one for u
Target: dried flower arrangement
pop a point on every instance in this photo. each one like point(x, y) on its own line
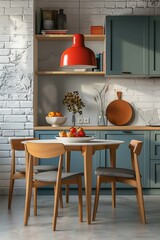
point(74, 103)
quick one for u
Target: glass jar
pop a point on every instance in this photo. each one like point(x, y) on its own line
point(73, 119)
point(101, 119)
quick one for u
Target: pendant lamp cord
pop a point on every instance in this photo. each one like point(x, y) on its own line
point(79, 13)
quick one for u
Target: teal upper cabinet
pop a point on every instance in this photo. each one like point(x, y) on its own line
point(127, 45)
point(133, 45)
point(154, 44)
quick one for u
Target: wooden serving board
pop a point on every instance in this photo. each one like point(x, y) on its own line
point(119, 112)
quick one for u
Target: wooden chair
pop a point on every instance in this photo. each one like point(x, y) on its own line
point(19, 172)
point(55, 178)
point(123, 175)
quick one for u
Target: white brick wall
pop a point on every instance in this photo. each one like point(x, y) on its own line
point(16, 79)
point(16, 72)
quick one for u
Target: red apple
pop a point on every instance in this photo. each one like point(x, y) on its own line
point(76, 134)
point(81, 134)
point(72, 130)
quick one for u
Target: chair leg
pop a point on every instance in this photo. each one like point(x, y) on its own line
point(60, 197)
point(113, 184)
point(67, 193)
point(56, 202)
point(96, 200)
point(30, 197)
point(10, 192)
point(141, 203)
point(80, 205)
point(138, 203)
point(35, 201)
point(67, 169)
point(27, 202)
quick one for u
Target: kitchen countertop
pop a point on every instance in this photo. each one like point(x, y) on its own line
point(99, 128)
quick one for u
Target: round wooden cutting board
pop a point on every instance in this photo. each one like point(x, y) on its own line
point(119, 112)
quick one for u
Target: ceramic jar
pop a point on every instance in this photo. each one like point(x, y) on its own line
point(62, 19)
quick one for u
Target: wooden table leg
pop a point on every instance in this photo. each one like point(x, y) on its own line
point(113, 184)
point(67, 169)
point(87, 154)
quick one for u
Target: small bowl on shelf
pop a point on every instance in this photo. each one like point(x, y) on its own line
point(56, 121)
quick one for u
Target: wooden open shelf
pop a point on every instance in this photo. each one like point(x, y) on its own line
point(42, 43)
point(52, 37)
point(41, 73)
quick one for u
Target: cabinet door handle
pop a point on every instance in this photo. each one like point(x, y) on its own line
point(126, 73)
point(126, 131)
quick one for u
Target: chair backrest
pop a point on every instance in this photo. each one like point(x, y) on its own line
point(17, 145)
point(136, 146)
point(45, 150)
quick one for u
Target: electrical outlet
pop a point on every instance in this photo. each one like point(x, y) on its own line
point(86, 120)
point(80, 120)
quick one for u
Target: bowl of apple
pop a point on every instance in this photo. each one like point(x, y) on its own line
point(74, 135)
point(55, 119)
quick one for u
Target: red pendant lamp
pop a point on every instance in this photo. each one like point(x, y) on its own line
point(78, 56)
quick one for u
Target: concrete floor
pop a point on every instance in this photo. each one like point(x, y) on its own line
point(122, 223)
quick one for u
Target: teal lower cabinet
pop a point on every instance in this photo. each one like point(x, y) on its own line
point(155, 173)
point(123, 152)
point(155, 159)
point(149, 158)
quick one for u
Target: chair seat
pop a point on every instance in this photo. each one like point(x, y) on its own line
point(115, 172)
point(37, 169)
point(21, 168)
point(51, 176)
point(42, 168)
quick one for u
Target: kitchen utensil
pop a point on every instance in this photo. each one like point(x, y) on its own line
point(119, 112)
